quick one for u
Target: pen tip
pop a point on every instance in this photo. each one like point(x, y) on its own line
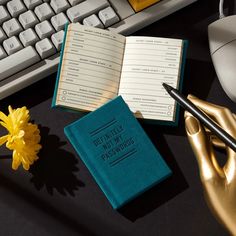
point(167, 87)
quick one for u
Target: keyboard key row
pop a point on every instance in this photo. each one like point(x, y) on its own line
point(30, 18)
point(16, 7)
point(44, 10)
point(30, 38)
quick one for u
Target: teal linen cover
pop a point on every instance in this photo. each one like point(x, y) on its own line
point(117, 152)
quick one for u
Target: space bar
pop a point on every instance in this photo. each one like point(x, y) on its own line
point(18, 61)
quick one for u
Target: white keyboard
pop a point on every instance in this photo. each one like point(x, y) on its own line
point(31, 32)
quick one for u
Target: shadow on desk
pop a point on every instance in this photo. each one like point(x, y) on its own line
point(56, 167)
point(162, 192)
point(55, 172)
point(21, 195)
point(198, 77)
point(31, 95)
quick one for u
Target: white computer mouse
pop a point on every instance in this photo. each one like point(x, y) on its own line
point(222, 42)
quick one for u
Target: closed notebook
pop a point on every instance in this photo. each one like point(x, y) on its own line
point(117, 152)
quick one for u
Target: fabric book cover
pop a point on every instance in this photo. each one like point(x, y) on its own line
point(117, 152)
point(97, 65)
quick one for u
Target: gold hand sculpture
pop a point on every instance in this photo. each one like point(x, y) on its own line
point(218, 182)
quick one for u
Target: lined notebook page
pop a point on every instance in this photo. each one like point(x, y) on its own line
point(148, 62)
point(91, 67)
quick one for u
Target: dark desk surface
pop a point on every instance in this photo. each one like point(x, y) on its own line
point(58, 196)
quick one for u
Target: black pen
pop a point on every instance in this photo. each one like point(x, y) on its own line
point(209, 123)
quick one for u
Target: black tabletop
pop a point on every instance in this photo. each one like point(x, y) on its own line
point(58, 195)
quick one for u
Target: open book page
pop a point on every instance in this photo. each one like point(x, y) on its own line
point(148, 62)
point(91, 67)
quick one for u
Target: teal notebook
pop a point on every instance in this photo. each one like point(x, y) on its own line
point(117, 152)
point(98, 65)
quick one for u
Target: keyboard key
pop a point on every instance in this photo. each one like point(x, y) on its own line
point(2, 53)
point(57, 39)
point(4, 15)
point(16, 7)
point(108, 16)
point(43, 11)
point(75, 2)
point(59, 21)
point(86, 8)
point(28, 19)
point(31, 4)
point(12, 45)
point(12, 27)
point(44, 29)
point(59, 5)
point(45, 48)
point(14, 63)
point(93, 21)
point(122, 8)
point(2, 35)
point(28, 37)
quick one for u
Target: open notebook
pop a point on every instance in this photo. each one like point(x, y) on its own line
point(97, 65)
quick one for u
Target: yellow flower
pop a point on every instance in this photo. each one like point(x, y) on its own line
point(23, 137)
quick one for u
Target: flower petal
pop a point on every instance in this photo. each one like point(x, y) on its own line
point(15, 160)
point(3, 139)
point(23, 138)
point(3, 117)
